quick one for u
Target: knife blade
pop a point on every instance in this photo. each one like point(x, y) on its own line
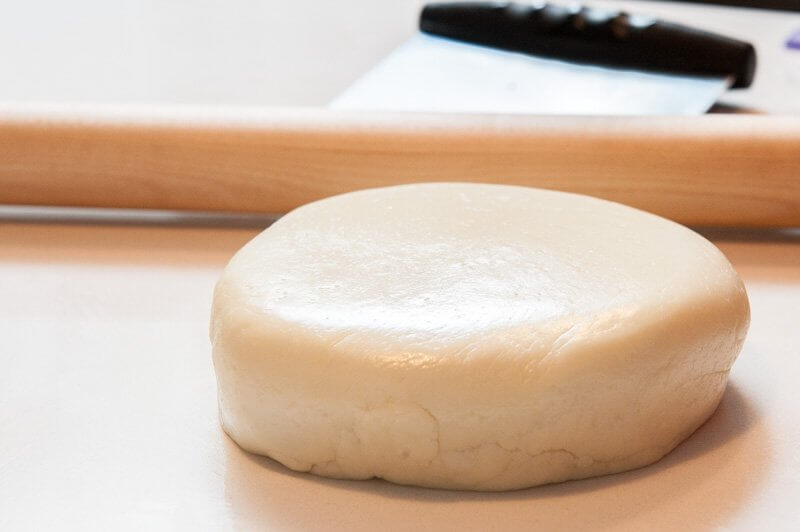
point(545, 59)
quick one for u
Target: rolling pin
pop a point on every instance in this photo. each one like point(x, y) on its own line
point(725, 170)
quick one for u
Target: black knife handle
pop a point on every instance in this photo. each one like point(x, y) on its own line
point(588, 35)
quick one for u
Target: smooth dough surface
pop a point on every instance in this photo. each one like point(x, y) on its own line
point(472, 336)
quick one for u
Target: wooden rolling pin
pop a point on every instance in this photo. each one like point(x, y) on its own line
point(741, 170)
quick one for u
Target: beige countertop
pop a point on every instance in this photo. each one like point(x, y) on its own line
point(108, 415)
point(109, 421)
point(257, 53)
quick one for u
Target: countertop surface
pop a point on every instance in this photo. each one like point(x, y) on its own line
point(109, 420)
point(108, 416)
point(267, 52)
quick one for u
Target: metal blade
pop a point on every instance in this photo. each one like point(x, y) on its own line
point(432, 74)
